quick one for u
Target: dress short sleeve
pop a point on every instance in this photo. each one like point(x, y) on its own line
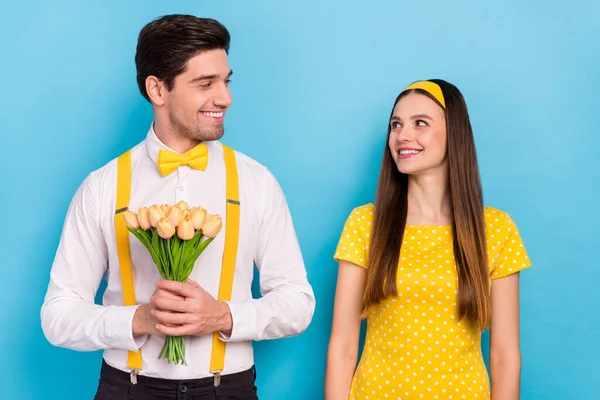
point(512, 256)
point(354, 240)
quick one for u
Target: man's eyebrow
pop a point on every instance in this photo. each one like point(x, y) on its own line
point(210, 77)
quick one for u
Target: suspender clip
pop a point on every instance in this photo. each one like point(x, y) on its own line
point(217, 379)
point(133, 376)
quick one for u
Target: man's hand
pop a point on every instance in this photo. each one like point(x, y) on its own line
point(186, 309)
point(144, 321)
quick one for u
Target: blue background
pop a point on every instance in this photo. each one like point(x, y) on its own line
point(313, 86)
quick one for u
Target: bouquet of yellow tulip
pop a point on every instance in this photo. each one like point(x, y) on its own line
point(175, 236)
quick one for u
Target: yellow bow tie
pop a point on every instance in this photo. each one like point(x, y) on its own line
point(168, 161)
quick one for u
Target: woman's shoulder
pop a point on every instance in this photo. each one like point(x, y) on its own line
point(506, 250)
point(362, 214)
point(365, 209)
point(361, 217)
point(495, 217)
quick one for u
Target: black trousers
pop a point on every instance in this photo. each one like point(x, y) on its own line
point(116, 385)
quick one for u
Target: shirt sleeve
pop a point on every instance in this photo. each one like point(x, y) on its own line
point(353, 245)
point(287, 300)
point(512, 256)
point(70, 318)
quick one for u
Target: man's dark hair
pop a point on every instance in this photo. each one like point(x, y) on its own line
point(166, 44)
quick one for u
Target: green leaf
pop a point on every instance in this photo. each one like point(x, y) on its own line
point(176, 244)
point(193, 256)
point(140, 237)
point(177, 255)
point(204, 245)
point(193, 242)
point(155, 242)
point(201, 247)
point(188, 267)
point(180, 264)
point(199, 242)
point(145, 234)
point(167, 266)
point(160, 242)
point(145, 238)
point(157, 249)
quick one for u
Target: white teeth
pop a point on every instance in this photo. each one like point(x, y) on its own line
point(214, 114)
point(405, 152)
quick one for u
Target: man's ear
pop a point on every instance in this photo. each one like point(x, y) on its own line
point(156, 90)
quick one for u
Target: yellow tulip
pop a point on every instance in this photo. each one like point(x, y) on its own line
point(155, 214)
point(175, 216)
point(131, 219)
point(185, 229)
point(182, 205)
point(198, 216)
point(165, 228)
point(212, 225)
point(144, 218)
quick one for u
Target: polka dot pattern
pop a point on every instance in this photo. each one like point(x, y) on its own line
point(415, 347)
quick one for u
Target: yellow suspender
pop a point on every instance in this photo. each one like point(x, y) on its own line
point(232, 225)
point(134, 359)
point(232, 222)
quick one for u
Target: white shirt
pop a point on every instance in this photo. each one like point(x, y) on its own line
point(87, 252)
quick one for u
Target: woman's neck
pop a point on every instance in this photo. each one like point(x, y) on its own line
point(429, 200)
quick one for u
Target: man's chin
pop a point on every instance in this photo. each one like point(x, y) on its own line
point(212, 134)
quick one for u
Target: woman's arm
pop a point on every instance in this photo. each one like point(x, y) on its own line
point(343, 344)
point(505, 355)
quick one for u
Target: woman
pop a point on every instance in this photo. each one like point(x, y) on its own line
point(429, 267)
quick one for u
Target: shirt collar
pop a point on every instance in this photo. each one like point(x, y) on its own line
point(154, 144)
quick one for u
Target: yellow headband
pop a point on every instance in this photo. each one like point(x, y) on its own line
point(430, 87)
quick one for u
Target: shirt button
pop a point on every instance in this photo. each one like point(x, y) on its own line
point(183, 388)
point(181, 188)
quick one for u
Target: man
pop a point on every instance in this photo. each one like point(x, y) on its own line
point(183, 71)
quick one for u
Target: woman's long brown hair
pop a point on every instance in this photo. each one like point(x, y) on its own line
point(468, 226)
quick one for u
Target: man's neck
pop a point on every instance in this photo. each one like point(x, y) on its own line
point(172, 139)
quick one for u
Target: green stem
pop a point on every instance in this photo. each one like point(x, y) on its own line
point(180, 266)
point(162, 351)
point(169, 251)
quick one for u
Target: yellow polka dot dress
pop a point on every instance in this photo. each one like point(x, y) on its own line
point(415, 347)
